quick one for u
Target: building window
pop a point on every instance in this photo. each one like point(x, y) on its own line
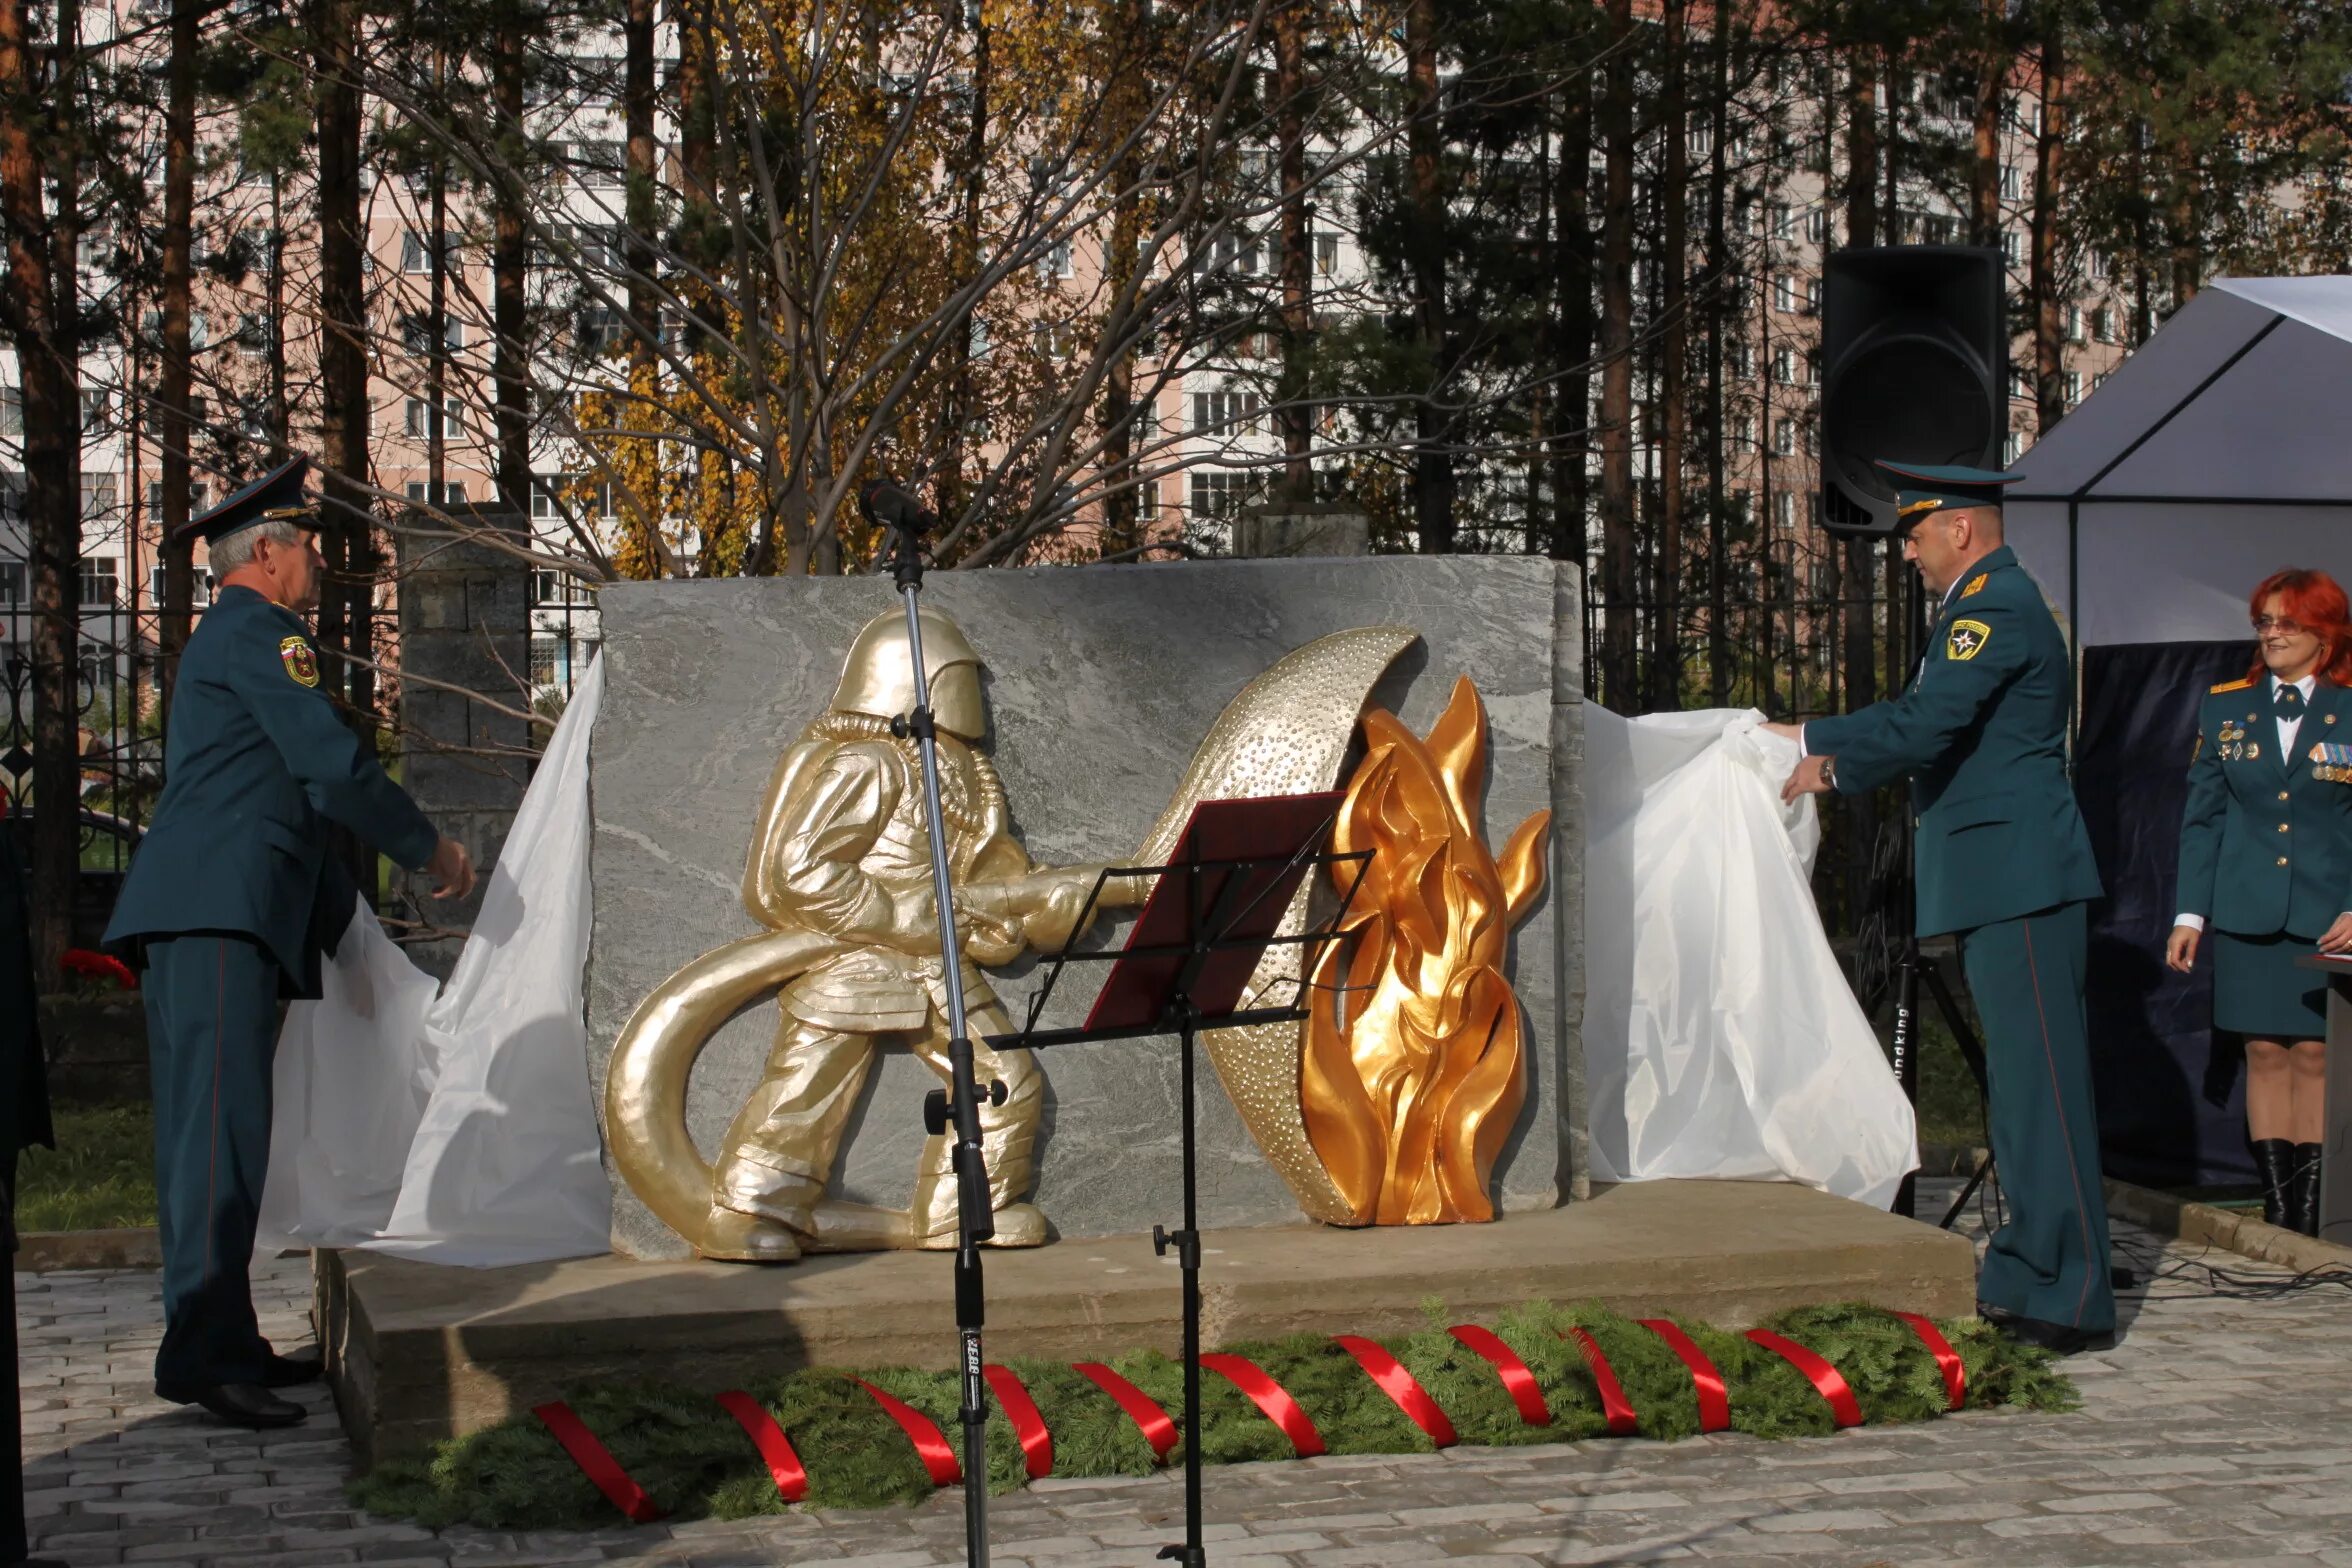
point(1740, 356)
point(12, 582)
point(2073, 387)
point(1796, 296)
point(416, 333)
point(253, 336)
point(1784, 436)
point(1784, 366)
point(2013, 448)
point(453, 493)
point(416, 254)
point(1743, 430)
point(2021, 383)
point(97, 411)
point(199, 587)
point(1057, 263)
point(2074, 324)
point(1217, 494)
point(2103, 324)
point(2012, 246)
point(11, 412)
point(418, 420)
point(543, 657)
point(1817, 224)
point(100, 588)
point(2012, 182)
point(1326, 254)
point(1784, 511)
point(600, 165)
point(99, 498)
point(1225, 412)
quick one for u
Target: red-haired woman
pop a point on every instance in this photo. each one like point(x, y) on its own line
point(2266, 859)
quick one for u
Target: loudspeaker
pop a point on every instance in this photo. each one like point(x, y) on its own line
point(1914, 368)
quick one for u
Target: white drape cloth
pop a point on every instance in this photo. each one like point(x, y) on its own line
point(456, 1127)
point(1721, 1039)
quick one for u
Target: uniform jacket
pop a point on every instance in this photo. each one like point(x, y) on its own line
point(255, 757)
point(1981, 735)
point(846, 851)
point(2266, 840)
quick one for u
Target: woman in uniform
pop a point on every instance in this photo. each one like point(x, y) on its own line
point(2266, 861)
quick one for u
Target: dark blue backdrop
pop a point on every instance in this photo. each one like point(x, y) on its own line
point(2171, 1092)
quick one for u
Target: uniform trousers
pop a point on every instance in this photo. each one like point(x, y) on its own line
point(2050, 1260)
point(212, 1033)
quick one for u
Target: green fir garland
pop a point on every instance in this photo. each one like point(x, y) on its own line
point(694, 1461)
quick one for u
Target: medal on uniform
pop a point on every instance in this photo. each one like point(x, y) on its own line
point(2331, 762)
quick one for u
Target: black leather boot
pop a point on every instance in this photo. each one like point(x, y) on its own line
point(2304, 1201)
point(2274, 1165)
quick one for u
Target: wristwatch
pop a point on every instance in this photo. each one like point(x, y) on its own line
point(1829, 771)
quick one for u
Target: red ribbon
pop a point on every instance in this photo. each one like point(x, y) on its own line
point(769, 1439)
point(1400, 1386)
point(1148, 1417)
point(1707, 1383)
point(1270, 1397)
point(597, 1463)
point(930, 1446)
point(1614, 1404)
point(1028, 1424)
point(1518, 1382)
point(1818, 1372)
point(1947, 1359)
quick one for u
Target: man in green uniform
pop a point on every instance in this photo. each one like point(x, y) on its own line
point(230, 902)
point(2002, 861)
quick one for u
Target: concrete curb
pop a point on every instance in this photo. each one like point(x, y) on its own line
point(49, 1251)
point(2183, 1219)
point(2243, 1234)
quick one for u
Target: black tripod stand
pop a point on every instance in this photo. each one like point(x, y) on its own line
point(1216, 908)
point(1912, 967)
point(957, 1106)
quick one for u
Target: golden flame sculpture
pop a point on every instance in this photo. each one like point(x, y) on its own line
point(1412, 1071)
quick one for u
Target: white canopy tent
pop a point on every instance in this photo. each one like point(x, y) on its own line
point(2217, 454)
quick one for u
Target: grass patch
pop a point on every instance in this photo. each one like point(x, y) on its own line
point(101, 1175)
point(694, 1461)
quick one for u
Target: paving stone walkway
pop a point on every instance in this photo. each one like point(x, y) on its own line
point(2217, 1432)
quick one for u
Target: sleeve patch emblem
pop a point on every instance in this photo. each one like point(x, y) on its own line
point(1966, 640)
point(301, 664)
point(1974, 583)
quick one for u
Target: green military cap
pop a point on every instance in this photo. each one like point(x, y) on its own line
point(1923, 487)
point(275, 496)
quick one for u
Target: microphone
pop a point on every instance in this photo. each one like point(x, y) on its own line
point(892, 507)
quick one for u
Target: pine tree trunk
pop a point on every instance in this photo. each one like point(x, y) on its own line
point(2048, 311)
point(1722, 309)
point(342, 355)
point(510, 261)
point(1572, 308)
point(1665, 662)
point(640, 213)
point(1862, 228)
point(175, 376)
point(1124, 457)
point(1620, 580)
point(1984, 186)
point(52, 444)
point(1433, 464)
point(1295, 417)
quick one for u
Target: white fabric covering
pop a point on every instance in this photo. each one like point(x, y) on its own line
point(456, 1128)
point(2212, 457)
point(1720, 1037)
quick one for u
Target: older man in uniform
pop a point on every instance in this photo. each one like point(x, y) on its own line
point(2004, 863)
point(229, 903)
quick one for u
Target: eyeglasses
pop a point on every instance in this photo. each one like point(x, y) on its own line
point(2279, 624)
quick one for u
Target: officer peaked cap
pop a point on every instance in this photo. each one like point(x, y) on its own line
point(1922, 488)
point(275, 496)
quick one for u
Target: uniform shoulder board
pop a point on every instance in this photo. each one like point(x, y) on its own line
point(2215, 691)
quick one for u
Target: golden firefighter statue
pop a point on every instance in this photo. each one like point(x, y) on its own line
point(840, 873)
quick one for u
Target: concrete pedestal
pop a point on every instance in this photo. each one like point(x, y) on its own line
point(419, 1352)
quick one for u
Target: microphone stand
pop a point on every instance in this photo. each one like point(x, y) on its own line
point(957, 1106)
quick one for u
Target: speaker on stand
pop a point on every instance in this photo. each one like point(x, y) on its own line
point(1914, 369)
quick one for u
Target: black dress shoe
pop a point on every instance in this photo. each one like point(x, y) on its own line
point(292, 1371)
point(238, 1404)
